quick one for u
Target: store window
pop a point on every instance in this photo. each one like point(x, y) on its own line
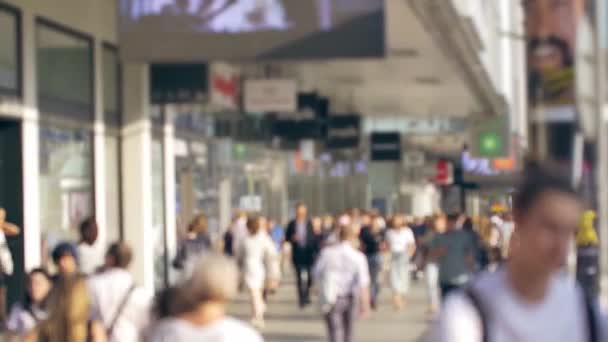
point(158, 215)
point(66, 183)
point(9, 51)
point(65, 71)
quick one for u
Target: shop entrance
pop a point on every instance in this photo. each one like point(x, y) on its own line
point(11, 199)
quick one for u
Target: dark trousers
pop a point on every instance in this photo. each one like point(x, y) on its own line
point(446, 289)
point(340, 320)
point(304, 285)
point(374, 263)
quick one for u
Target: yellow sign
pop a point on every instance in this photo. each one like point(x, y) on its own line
point(586, 234)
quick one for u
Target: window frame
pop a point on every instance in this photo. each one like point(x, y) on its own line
point(88, 115)
point(17, 15)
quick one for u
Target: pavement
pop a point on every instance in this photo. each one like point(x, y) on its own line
point(285, 322)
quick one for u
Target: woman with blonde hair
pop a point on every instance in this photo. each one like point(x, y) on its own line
point(195, 310)
point(402, 245)
point(69, 317)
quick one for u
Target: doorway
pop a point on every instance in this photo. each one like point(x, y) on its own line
point(11, 199)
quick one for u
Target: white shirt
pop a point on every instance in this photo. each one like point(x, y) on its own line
point(225, 330)
point(400, 240)
point(89, 258)
point(107, 292)
point(347, 264)
point(20, 320)
point(560, 317)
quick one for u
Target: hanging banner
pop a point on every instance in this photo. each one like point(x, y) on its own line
point(271, 95)
point(551, 28)
point(343, 131)
point(224, 86)
point(385, 146)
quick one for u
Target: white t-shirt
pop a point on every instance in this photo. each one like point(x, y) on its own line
point(225, 330)
point(400, 240)
point(89, 258)
point(108, 291)
point(561, 317)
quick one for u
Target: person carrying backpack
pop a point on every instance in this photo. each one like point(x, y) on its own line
point(117, 302)
point(530, 298)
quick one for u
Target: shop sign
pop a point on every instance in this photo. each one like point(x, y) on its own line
point(271, 95)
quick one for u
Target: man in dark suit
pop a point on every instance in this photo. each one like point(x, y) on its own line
point(302, 238)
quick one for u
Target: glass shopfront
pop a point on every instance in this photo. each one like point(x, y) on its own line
point(66, 183)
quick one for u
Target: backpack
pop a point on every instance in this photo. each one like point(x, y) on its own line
point(472, 295)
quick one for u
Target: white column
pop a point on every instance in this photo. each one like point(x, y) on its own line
point(169, 188)
point(30, 144)
point(99, 150)
point(137, 173)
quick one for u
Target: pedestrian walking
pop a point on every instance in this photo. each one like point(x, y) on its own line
point(197, 306)
point(372, 244)
point(65, 258)
point(197, 242)
point(343, 278)
point(120, 305)
point(301, 236)
point(258, 259)
point(402, 245)
point(454, 252)
point(437, 226)
point(89, 256)
point(7, 229)
point(530, 298)
point(69, 317)
point(27, 314)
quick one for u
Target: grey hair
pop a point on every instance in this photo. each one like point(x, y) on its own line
point(214, 279)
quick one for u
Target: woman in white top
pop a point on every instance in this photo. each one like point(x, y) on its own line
point(24, 317)
point(402, 245)
point(198, 306)
point(257, 257)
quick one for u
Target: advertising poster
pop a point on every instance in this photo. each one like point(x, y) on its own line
point(551, 29)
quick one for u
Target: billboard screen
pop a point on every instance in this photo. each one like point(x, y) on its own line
point(193, 30)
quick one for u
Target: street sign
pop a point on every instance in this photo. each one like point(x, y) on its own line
point(251, 203)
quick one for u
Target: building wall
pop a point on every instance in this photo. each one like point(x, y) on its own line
point(94, 17)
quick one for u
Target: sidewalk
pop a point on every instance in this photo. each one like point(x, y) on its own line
point(285, 322)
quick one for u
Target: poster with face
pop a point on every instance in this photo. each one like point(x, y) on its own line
point(551, 28)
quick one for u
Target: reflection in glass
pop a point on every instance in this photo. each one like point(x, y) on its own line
point(8, 51)
point(66, 190)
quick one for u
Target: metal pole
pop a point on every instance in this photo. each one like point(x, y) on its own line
point(602, 148)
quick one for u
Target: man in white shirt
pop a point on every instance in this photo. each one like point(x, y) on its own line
point(343, 275)
point(121, 306)
point(530, 299)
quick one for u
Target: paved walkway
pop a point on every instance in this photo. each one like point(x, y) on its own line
point(286, 323)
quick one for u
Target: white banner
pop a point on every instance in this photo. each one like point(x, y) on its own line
point(271, 95)
point(224, 86)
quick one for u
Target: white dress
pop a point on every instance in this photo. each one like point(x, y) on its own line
point(257, 256)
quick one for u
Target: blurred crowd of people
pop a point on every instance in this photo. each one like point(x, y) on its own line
point(341, 261)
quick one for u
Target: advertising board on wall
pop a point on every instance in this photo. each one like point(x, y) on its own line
point(271, 95)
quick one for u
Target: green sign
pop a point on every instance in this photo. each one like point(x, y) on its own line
point(490, 144)
point(240, 151)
